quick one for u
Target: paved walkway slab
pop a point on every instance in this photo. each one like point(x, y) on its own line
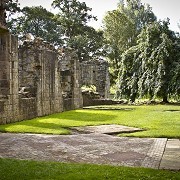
point(84, 148)
point(171, 156)
point(107, 129)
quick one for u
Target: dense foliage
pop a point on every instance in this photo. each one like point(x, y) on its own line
point(73, 17)
point(39, 22)
point(148, 69)
point(143, 53)
point(121, 28)
point(12, 7)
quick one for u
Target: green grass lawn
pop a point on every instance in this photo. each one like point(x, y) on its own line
point(156, 120)
point(29, 170)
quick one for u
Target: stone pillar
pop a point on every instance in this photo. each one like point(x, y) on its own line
point(77, 94)
point(9, 108)
point(103, 81)
point(14, 77)
point(70, 79)
point(9, 102)
point(4, 65)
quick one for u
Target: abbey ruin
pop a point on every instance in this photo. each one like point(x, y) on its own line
point(36, 79)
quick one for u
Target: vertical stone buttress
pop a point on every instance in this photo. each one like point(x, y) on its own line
point(70, 78)
point(9, 101)
point(77, 94)
point(9, 104)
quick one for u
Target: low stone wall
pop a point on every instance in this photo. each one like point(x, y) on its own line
point(91, 99)
point(68, 104)
point(27, 108)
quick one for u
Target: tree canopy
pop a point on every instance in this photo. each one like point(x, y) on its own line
point(143, 53)
point(39, 22)
point(73, 16)
point(150, 69)
point(121, 28)
point(12, 7)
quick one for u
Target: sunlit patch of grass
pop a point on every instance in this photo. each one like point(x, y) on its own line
point(156, 120)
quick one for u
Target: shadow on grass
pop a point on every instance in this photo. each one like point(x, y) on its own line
point(172, 110)
point(109, 108)
point(57, 123)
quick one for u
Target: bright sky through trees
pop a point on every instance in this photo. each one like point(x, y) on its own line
point(161, 8)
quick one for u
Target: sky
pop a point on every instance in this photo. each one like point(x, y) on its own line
point(161, 8)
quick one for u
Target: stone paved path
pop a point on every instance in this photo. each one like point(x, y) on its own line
point(91, 148)
point(171, 157)
point(107, 129)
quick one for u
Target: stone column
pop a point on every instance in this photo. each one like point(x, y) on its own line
point(77, 94)
point(103, 81)
point(9, 108)
point(4, 65)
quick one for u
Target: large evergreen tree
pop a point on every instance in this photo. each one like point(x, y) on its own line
point(150, 69)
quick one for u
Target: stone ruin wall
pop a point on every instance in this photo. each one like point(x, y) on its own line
point(39, 76)
point(95, 72)
point(9, 101)
point(33, 79)
point(37, 80)
point(70, 74)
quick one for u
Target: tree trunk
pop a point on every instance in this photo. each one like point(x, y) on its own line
point(165, 99)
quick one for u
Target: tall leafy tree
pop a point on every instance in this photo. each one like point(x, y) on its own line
point(89, 45)
point(174, 86)
point(12, 7)
point(118, 31)
point(73, 17)
point(147, 69)
point(39, 22)
point(122, 26)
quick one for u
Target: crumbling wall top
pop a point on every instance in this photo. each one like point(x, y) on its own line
point(37, 43)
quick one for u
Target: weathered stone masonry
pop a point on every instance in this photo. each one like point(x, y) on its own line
point(9, 101)
point(40, 77)
point(95, 72)
point(37, 80)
